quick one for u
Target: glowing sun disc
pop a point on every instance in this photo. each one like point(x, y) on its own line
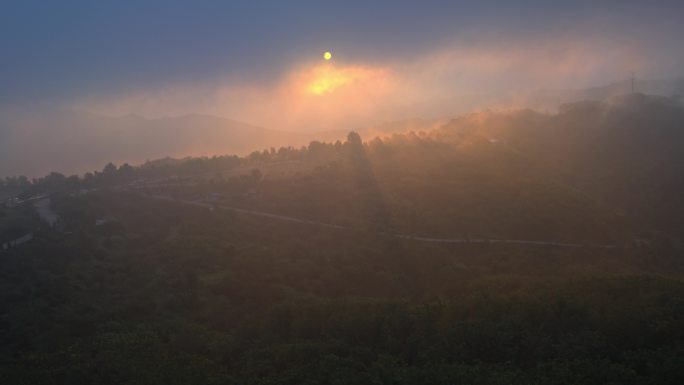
point(327, 55)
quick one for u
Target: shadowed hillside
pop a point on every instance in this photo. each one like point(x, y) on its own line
point(624, 152)
point(508, 248)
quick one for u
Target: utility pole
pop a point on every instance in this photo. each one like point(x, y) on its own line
point(632, 80)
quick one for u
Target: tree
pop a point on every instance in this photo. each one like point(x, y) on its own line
point(109, 169)
point(354, 139)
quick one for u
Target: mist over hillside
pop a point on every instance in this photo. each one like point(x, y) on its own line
point(71, 142)
point(76, 142)
point(513, 246)
point(625, 151)
point(550, 99)
point(617, 163)
point(36, 142)
point(341, 192)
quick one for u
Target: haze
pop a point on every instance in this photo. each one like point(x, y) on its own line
point(400, 192)
point(262, 65)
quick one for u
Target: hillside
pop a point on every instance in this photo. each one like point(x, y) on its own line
point(623, 152)
point(503, 247)
point(73, 142)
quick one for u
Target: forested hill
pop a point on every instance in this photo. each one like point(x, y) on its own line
point(606, 171)
point(502, 248)
point(626, 152)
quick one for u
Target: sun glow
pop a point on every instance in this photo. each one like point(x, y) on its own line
point(327, 80)
point(321, 95)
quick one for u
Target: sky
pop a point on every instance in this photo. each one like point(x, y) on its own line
point(262, 62)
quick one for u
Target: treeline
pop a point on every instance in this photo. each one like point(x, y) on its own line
point(208, 168)
point(202, 167)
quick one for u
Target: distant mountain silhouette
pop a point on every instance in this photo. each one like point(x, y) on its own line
point(550, 98)
point(35, 143)
point(75, 142)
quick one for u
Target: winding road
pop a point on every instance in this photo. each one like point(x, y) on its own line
point(400, 236)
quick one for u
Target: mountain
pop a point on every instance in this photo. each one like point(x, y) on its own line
point(66, 141)
point(502, 247)
point(624, 152)
point(76, 142)
point(551, 98)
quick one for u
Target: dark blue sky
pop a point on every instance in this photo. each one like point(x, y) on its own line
point(61, 50)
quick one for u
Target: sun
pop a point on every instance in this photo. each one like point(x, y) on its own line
point(327, 55)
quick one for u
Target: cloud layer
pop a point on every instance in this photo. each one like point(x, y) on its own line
point(315, 94)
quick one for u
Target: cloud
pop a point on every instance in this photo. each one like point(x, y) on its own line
point(316, 96)
point(62, 52)
point(453, 78)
